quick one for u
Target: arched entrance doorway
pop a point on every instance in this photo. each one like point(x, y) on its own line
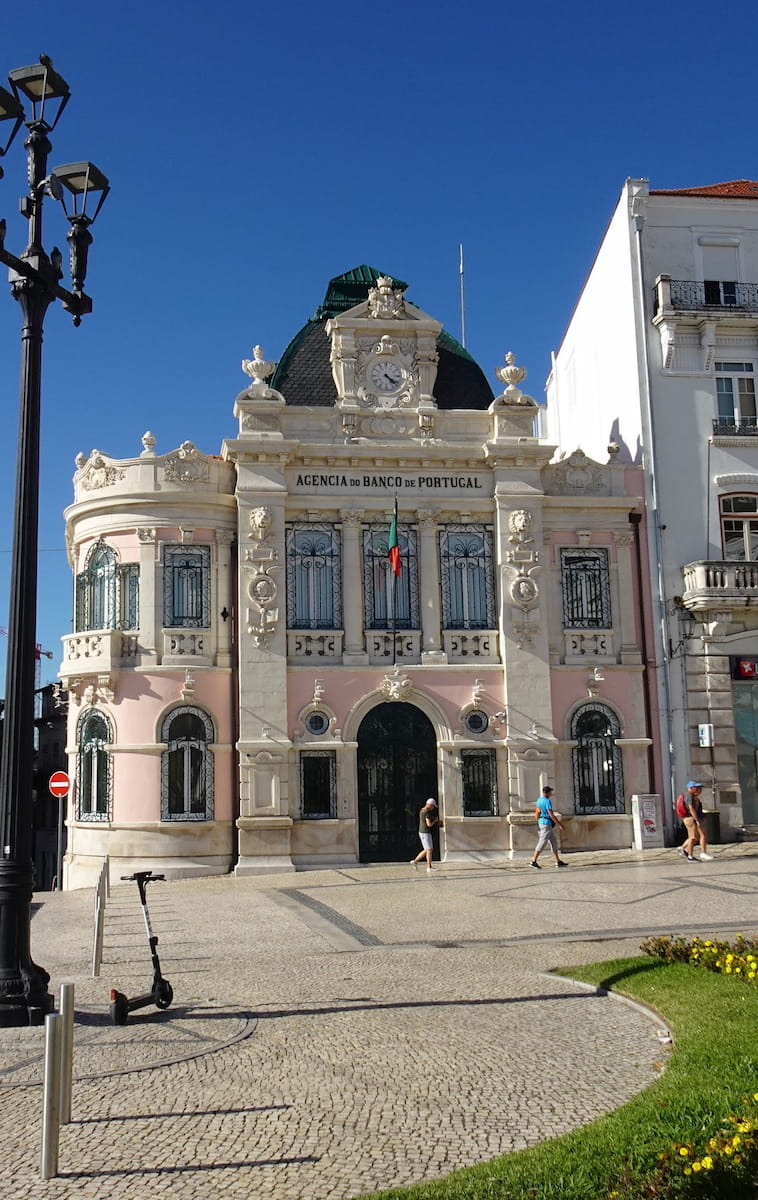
point(397, 772)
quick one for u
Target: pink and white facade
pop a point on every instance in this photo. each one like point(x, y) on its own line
point(251, 687)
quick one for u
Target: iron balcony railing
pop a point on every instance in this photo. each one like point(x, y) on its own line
point(745, 427)
point(687, 295)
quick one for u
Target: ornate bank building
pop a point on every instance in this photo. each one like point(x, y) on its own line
point(254, 688)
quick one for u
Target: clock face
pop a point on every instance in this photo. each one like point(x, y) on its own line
point(386, 376)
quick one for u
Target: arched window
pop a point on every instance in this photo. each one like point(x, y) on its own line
point(94, 766)
point(187, 766)
point(106, 591)
point(598, 778)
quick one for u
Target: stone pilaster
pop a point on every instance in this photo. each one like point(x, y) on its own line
point(150, 597)
point(354, 653)
point(429, 587)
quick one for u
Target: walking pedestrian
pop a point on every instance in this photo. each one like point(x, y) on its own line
point(547, 818)
point(428, 819)
point(689, 807)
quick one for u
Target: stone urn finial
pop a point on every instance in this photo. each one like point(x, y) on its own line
point(257, 368)
point(511, 376)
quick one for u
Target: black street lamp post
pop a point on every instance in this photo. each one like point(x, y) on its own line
point(35, 282)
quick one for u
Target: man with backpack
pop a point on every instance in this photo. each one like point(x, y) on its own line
point(690, 810)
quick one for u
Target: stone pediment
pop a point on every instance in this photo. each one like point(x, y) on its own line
point(574, 474)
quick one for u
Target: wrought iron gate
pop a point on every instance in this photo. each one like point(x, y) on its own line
point(397, 772)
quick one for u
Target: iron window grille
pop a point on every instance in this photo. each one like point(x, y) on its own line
point(598, 776)
point(187, 766)
point(94, 772)
point(186, 587)
point(107, 592)
point(317, 723)
point(479, 779)
point(318, 785)
point(585, 585)
point(314, 577)
point(739, 526)
point(391, 600)
point(476, 721)
point(468, 588)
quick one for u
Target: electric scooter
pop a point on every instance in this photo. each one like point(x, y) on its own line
point(161, 993)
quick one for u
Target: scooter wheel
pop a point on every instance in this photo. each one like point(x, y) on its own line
point(119, 1008)
point(165, 994)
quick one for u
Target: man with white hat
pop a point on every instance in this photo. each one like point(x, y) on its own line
point(427, 820)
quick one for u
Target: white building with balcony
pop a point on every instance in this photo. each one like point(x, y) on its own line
point(253, 687)
point(659, 360)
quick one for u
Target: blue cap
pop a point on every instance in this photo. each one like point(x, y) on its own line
point(693, 784)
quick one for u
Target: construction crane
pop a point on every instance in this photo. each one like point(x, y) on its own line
point(39, 654)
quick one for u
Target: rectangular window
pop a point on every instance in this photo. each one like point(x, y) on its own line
point(468, 592)
point(585, 584)
point(318, 787)
point(127, 595)
point(314, 577)
point(735, 394)
point(720, 292)
point(186, 587)
point(479, 778)
point(391, 600)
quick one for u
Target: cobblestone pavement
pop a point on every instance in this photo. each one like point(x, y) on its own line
point(322, 1019)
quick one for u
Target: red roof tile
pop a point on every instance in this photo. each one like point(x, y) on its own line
point(736, 189)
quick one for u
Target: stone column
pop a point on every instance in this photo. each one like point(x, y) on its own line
point(429, 587)
point(353, 652)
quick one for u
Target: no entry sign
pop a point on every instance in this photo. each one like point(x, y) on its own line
point(59, 783)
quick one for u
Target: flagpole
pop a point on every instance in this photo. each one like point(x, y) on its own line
point(394, 621)
point(393, 555)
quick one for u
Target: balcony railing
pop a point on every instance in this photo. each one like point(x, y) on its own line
point(714, 295)
point(745, 427)
point(718, 584)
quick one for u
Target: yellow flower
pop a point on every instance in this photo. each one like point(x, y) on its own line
point(683, 1151)
point(707, 1162)
point(736, 1140)
point(696, 1166)
point(688, 1170)
point(755, 1095)
point(728, 1149)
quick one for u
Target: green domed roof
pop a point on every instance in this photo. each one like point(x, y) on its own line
point(304, 375)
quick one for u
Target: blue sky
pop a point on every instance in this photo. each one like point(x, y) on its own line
point(256, 151)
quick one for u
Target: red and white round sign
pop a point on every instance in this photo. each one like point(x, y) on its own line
point(59, 784)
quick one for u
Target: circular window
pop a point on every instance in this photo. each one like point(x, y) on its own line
point(477, 721)
point(316, 723)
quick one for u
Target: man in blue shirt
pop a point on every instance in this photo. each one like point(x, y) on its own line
point(547, 818)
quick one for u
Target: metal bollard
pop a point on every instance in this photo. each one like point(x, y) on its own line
point(67, 1050)
point(51, 1096)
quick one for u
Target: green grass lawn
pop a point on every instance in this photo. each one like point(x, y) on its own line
point(714, 1065)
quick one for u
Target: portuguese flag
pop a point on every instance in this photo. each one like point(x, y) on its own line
point(393, 549)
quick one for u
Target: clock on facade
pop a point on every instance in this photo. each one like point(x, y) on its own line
point(386, 376)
